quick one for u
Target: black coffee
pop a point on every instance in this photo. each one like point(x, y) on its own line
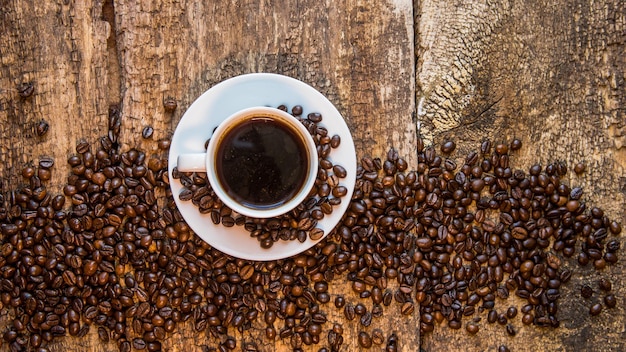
point(261, 163)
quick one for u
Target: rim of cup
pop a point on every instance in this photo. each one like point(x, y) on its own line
point(245, 114)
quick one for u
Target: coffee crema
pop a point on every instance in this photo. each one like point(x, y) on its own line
point(261, 163)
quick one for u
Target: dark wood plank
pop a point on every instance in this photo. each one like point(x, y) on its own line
point(550, 73)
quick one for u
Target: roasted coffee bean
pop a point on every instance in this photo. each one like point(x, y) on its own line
point(296, 110)
point(139, 344)
point(510, 330)
point(366, 319)
point(147, 132)
point(579, 168)
point(315, 117)
point(154, 346)
point(339, 171)
point(615, 227)
point(502, 149)
point(448, 147)
point(472, 328)
point(340, 302)
point(25, 89)
point(42, 128)
point(595, 309)
point(610, 301)
point(364, 339)
point(349, 312)
point(392, 343)
point(586, 291)
point(516, 144)
point(613, 246)
point(164, 144)
point(407, 308)
point(377, 336)
point(169, 104)
point(103, 334)
point(604, 284)
point(46, 162)
point(360, 309)
point(335, 141)
point(316, 234)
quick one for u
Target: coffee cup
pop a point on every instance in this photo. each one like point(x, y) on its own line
point(260, 162)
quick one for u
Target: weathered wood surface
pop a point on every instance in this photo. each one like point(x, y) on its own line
point(136, 55)
point(548, 72)
point(552, 74)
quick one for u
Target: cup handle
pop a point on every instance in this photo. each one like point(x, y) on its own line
point(192, 162)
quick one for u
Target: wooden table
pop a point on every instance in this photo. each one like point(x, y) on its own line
point(551, 73)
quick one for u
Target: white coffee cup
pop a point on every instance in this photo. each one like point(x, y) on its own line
point(254, 154)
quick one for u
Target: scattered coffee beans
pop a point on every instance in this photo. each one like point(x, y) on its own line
point(455, 241)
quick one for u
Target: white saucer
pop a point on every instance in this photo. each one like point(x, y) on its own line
point(227, 97)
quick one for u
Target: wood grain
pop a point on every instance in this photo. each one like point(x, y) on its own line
point(549, 72)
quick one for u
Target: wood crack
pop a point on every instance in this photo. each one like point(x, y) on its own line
point(114, 66)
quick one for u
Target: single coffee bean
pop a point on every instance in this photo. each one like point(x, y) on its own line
point(335, 141)
point(516, 144)
point(502, 149)
point(296, 110)
point(315, 117)
point(163, 144)
point(407, 308)
point(377, 336)
point(348, 311)
point(340, 302)
point(139, 344)
point(46, 162)
point(595, 309)
point(169, 104)
point(610, 301)
point(472, 328)
point(316, 234)
point(25, 89)
point(586, 291)
point(147, 132)
point(579, 168)
point(510, 330)
point(392, 343)
point(366, 319)
point(448, 147)
point(340, 171)
point(615, 227)
point(42, 128)
point(364, 339)
point(604, 284)
point(511, 312)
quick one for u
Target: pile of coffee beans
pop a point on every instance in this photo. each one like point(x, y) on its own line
point(445, 241)
point(467, 235)
point(298, 224)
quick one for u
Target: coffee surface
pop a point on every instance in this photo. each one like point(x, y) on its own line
point(261, 163)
